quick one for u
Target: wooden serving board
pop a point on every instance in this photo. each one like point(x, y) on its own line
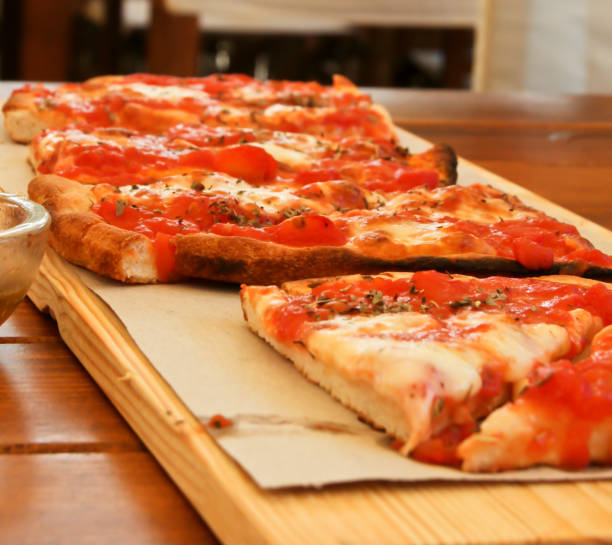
point(239, 512)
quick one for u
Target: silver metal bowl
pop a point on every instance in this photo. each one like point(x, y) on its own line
point(24, 227)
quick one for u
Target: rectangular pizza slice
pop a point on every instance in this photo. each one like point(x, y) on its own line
point(426, 356)
point(261, 157)
point(216, 226)
point(153, 104)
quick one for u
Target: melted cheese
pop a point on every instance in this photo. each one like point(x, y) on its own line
point(368, 348)
point(162, 92)
point(270, 200)
point(292, 158)
point(254, 92)
point(409, 232)
point(287, 111)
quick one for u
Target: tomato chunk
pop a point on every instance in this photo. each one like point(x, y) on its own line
point(408, 178)
point(251, 163)
point(532, 255)
point(319, 175)
point(308, 230)
point(442, 447)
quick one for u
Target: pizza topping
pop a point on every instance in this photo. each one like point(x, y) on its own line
point(122, 157)
point(442, 296)
point(193, 210)
point(562, 417)
point(418, 223)
point(164, 256)
point(251, 163)
point(446, 365)
point(441, 448)
point(156, 103)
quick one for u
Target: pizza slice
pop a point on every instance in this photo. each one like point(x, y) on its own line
point(562, 417)
point(155, 103)
point(201, 224)
point(216, 226)
point(424, 356)
point(119, 156)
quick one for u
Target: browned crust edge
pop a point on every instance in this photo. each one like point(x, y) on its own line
point(442, 158)
point(84, 238)
point(240, 259)
point(19, 101)
point(22, 118)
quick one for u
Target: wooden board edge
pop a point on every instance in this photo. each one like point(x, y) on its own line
point(169, 430)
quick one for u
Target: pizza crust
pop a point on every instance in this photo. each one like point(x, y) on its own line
point(442, 158)
point(84, 238)
point(377, 410)
point(251, 261)
point(22, 118)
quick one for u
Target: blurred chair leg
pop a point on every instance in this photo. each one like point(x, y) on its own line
point(379, 65)
point(173, 42)
point(45, 39)
point(109, 49)
point(457, 44)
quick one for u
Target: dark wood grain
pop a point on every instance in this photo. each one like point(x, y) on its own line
point(89, 499)
point(172, 42)
point(70, 469)
point(449, 108)
point(45, 39)
point(28, 325)
point(48, 403)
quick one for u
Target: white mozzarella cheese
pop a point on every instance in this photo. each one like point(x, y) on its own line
point(290, 157)
point(162, 92)
point(373, 346)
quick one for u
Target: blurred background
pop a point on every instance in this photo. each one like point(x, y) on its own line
point(496, 45)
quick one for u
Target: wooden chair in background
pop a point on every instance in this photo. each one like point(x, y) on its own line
point(41, 39)
point(38, 39)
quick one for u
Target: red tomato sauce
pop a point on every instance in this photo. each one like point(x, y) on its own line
point(129, 165)
point(383, 175)
point(535, 242)
point(572, 398)
point(194, 212)
point(227, 87)
point(106, 104)
point(143, 158)
point(440, 295)
point(442, 447)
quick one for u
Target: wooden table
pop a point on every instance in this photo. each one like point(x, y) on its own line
point(71, 471)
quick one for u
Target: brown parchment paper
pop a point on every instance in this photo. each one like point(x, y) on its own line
point(287, 431)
